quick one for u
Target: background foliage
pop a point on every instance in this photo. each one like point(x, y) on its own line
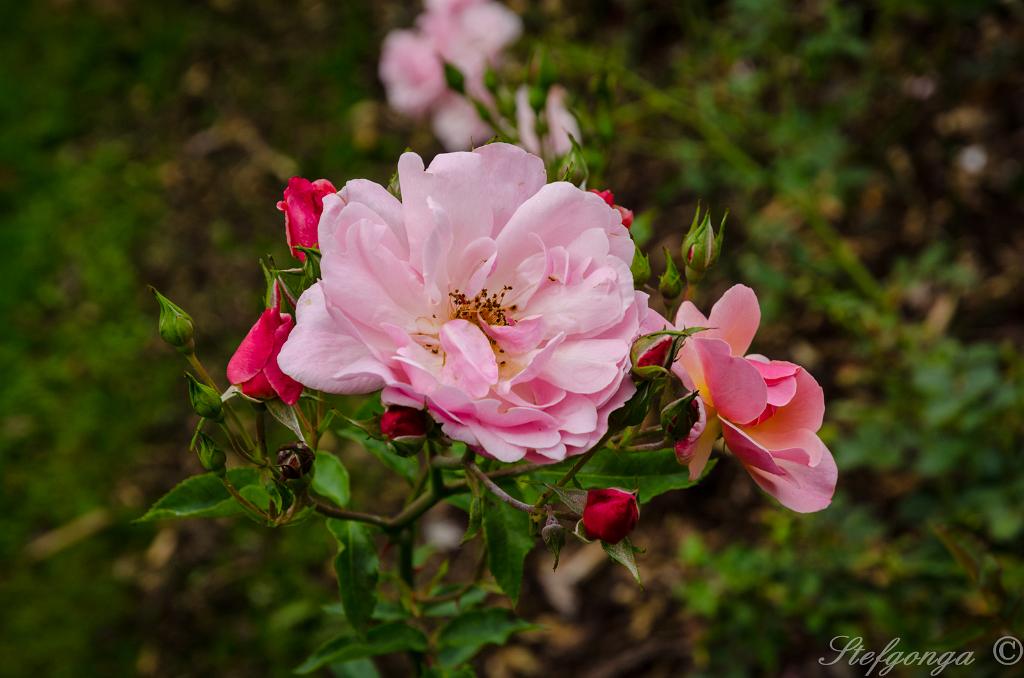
point(869, 154)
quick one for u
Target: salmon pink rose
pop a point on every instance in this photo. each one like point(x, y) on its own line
point(768, 411)
point(500, 303)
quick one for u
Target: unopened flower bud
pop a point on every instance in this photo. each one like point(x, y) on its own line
point(553, 534)
point(684, 422)
point(294, 461)
point(702, 247)
point(640, 268)
point(626, 215)
point(610, 514)
point(671, 283)
point(205, 401)
point(403, 422)
point(175, 326)
point(211, 457)
point(649, 355)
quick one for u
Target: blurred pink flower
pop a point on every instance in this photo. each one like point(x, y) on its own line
point(254, 366)
point(302, 204)
point(412, 72)
point(560, 124)
point(468, 34)
point(502, 304)
point(768, 411)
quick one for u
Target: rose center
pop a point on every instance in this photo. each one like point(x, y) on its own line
point(487, 307)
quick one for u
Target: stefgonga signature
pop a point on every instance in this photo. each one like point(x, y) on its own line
point(852, 650)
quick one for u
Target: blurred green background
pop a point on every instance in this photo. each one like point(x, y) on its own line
point(870, 157)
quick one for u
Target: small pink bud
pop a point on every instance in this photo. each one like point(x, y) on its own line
point(605, 195)
point(610, 514)
point(302, 205)
point(403, 422)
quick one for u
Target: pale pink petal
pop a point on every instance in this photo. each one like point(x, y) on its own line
point(470, 362)
point(585, 366)
point(324, 355)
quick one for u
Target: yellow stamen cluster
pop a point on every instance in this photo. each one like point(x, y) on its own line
point(487, 306)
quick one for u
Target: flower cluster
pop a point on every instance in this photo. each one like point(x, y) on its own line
point(500, 322)
point(468, 36)
point(440, 69)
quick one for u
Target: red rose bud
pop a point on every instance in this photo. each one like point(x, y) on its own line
point(302, 205)
point(609, 197)
point(655, 356)
point(403, 422)
point(610, 515)
point(253, 368)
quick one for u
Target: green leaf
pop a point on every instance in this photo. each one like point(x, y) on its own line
point(574, 500)
point(403, 466)
point(383, 639)
point(357, 567)
point(464, 636)
point(507, 533)
point(623, 553)
point(652, 473)
point(356, 668)
point(330, 478)
point(476, 510)
point(202, 497)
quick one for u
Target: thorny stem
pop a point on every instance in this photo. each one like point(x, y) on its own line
point(496, 490)
point(261, 431)
point(571, 473)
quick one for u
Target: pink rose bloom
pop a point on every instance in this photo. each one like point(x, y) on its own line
point(412, 72)
point(561, 123)
point(302, 204)
point(457, 124)
point(768, 411)
point(501, 304)
point(254, 366)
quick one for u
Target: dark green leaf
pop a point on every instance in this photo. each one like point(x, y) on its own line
point(357, 567)
point(652, 473)
point(462, 637)
point(330, 478)
point(403, 466)
point(623, 553)
point(507, 533)
point(202, 497)
point(383, 639)
point(355, 668)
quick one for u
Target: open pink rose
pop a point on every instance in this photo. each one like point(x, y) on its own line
point(254, 366)
point(768, 411)
point(560, 123)
point(502, 304)
point(302, 204)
